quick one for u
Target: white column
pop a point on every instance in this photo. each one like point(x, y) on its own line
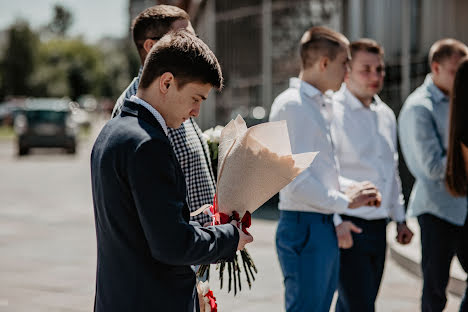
point(207, 118)
point(405, 48)
point(266, 53)
point(355, 19)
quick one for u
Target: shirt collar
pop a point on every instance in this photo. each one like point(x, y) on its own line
point(437, 94)
point(140, 71)
point(305, 87)
point(354, 103)
point(152, 110)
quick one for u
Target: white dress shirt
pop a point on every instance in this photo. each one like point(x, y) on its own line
point(366, 147)
point(152, 110)
point(308, 113)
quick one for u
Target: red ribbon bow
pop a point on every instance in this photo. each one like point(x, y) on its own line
point(222, 218)
point(213, 305)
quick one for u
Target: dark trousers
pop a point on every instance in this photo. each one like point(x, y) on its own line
point(361, 266)
point(440, 241)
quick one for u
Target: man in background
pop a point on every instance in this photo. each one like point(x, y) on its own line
point(423, 132)
point(189, 145)
point(365, 135)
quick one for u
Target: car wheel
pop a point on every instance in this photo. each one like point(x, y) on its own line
point(22, 151)
point(71, 149)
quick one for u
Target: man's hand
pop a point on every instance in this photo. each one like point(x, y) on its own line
point(207, 212)
point(363, 194)
point(404, 234)
point(343, 233)
point(244, 239)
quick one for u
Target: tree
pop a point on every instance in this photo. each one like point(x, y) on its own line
point(61, 21)
point(20, 59)
point(68, 67)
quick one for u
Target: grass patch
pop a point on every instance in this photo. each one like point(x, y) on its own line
point(6, 132)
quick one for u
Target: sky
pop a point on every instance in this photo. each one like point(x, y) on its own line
point(91, 18)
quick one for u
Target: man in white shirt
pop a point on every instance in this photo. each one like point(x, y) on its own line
point(364, 133)
point(306, 240)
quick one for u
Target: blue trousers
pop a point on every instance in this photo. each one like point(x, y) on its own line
point(309, 256)
point(440, 242)
point(361, 266)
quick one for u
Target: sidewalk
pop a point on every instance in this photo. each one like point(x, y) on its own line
point(400, 290)
point(409, 257)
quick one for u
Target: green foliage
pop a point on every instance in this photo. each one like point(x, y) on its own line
point(49, 64)
point(20, 59)
point(66, 67)
point(117, 67)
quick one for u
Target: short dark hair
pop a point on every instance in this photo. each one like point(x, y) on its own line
point(446, 48)
point(321, 41)
point(154, 22)
point(184, 55)
point(366, 45)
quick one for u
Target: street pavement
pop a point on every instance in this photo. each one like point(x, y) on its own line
point(48, 246)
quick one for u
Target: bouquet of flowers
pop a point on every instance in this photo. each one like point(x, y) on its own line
point(253, 165)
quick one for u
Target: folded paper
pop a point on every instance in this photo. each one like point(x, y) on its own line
point(254, 164)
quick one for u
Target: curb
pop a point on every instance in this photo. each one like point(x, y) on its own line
point(409, 259)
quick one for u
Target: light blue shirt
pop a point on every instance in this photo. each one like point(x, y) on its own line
point(423, 133)
point(308, 113)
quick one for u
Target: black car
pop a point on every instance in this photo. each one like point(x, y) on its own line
point(45, 123)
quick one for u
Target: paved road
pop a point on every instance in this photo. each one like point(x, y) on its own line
point(48, 249)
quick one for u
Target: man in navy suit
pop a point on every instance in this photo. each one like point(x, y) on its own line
point(145, 241)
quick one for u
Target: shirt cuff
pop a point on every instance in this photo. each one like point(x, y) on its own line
point(337, 219)
point(345, 183)
point(398, 213)
point(341, 201)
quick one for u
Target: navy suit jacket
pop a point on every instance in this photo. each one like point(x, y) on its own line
point(145, 243)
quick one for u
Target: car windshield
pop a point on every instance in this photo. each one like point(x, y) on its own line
point(46, 116)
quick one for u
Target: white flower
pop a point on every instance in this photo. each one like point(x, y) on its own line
point(213, 134)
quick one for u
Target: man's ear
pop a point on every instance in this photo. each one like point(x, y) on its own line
point(435, 68)
point(148, 44)
point(346, 77)
point(165, 82)
point(323, 63)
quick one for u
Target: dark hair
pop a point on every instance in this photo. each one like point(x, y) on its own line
point(456, 174)
point(445, 48)
point(184, 55)
point(321, 41)
point(155, 22)
point(366, 45)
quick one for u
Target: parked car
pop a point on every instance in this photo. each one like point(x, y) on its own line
point(45, 122)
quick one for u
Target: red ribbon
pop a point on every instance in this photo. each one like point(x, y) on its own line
point(222, 218)
point(213, 305)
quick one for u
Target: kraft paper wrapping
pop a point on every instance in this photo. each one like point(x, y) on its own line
point(254, 164)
